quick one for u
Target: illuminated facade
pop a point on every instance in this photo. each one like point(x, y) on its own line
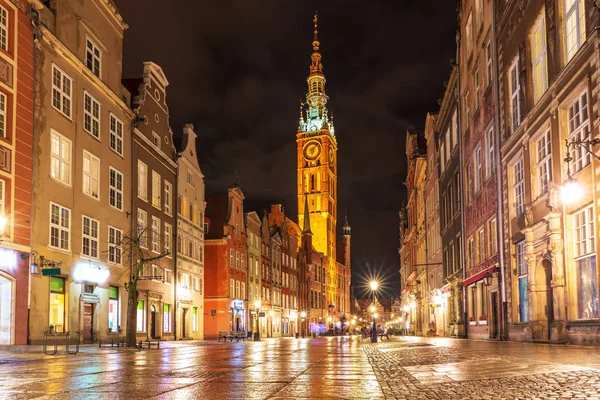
point(81, 169)
point(317, 168)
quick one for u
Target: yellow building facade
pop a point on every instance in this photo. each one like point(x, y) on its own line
point(317, 166)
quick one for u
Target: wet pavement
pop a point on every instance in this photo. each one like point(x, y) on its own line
point(346, 368)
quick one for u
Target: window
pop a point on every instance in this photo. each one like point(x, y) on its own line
point(156, 189)
point(2, 112)
point(91, 175)
point(195, 319)
point(469, 34)
point(142, 223)
point(544, 162)
point(156, 139)
point(237, 259)
point(519, 187)
point(57, 303)
point(478, 169)
point(231, 259)
point(90, 235)
point(442, 154)
point(470, 253)
point(237, 289)
point(60, 168)
point(480, 245)
point(196, 283)
point(168, 238)
point(62, 85)
point(467, 110)
point(190, 178)
point(168, 275)
point(454, 129)
point(514, 90)
point(469, 182)
point(243, 293)
point(538, 57)
point(231, 288)
point(167, 318)
point(113, 309)
point(3, 28)
point(476, 86)
point(585, 261)
point(60, 227)
point(116, 134)
point(574, 26)
point(115, 190)
point(115, 236)
point(488, 64)
point(522, 273)
point(155, 235)
point(92, 57)
point(579, 129)
point(491, 159)
point(142, 180)
point(167, 199)
point(91, 115)
point(140, 317)
point(493, 230)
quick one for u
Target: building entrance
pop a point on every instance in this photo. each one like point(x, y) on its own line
point(7, 317)
point(88, 323)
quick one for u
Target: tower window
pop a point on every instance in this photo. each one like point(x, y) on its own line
point(312, 183)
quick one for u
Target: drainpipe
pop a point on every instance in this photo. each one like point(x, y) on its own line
point(500, 212)
point(460, 180)
point(174, 243)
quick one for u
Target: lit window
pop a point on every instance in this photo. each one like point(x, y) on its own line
point(156, 189)
point(538, 56)
point(57, 303)
point(113, 309)
point(514, 90)
point(195, 319)
point(544, 162)
point(115, 191)
point(3, 28)
point(167, 199)
point(91, 115)
point(579, 129)
point(116, 134)
point(62, 85)
point(90, 235)
point(574, 26)
point(167, 318)
point(585, 261)
point(60, 227)
point(519, 187)
point(115, 237)
point(141, 317)
point(142, 180)
point(91, 175)
point(523, 281)
point(93, 57)
point(60, 168)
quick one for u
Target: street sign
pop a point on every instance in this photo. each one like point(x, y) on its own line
point(50, 271)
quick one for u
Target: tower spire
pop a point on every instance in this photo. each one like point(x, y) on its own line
point(316, 32)
point(306, 230)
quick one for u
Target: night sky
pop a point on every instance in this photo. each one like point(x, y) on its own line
point(237, 71)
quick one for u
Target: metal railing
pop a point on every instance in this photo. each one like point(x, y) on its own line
point(54, 338)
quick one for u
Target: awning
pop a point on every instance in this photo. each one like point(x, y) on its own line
point(479, 275)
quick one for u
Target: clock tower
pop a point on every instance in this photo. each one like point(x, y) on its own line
point(317, 165)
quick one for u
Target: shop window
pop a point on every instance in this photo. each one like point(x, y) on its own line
point(167, 318)
point(141, 317)
point(57, 303)
point(195, 319)
point(113, 309)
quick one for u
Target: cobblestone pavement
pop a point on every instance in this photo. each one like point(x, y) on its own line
point(348, 368)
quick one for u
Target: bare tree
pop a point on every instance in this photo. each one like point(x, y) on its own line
point(134, 245)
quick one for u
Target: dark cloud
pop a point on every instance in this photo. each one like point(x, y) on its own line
point(237, 71)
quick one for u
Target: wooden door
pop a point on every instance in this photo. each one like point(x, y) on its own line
point(88, 323)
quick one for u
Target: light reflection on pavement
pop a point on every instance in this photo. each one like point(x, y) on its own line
point(403, 368)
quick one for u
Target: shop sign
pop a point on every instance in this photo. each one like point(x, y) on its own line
point(50, 271)
point(277, 309)
point(238, 304)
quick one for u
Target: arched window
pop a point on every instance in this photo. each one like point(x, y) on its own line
point(312, 183)
point(305, 183)
point(318, 181)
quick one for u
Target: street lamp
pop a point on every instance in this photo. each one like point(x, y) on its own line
point(374, 285)
point(257, 306)
point(571, 190)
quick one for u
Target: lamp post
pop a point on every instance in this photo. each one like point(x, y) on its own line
point(374, 285)
point(303, 316)
point(257, 306)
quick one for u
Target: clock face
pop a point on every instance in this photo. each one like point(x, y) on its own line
point(331, 156)
point(312, 150)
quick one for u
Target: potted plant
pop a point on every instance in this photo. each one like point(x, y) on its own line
point(472, 320)
point(119, 328)
point(483, 319)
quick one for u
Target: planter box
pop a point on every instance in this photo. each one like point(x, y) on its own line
point(483, 322)
point(472, 323)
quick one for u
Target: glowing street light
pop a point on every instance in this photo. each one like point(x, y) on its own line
point(571, 191)
point(374, 285)
point(373, 309)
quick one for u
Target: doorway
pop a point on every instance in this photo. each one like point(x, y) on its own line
point(6, 310)
point(495, 321)
point(549, 296)
point(153, 322)
point(183, 327)
point(88, 323)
